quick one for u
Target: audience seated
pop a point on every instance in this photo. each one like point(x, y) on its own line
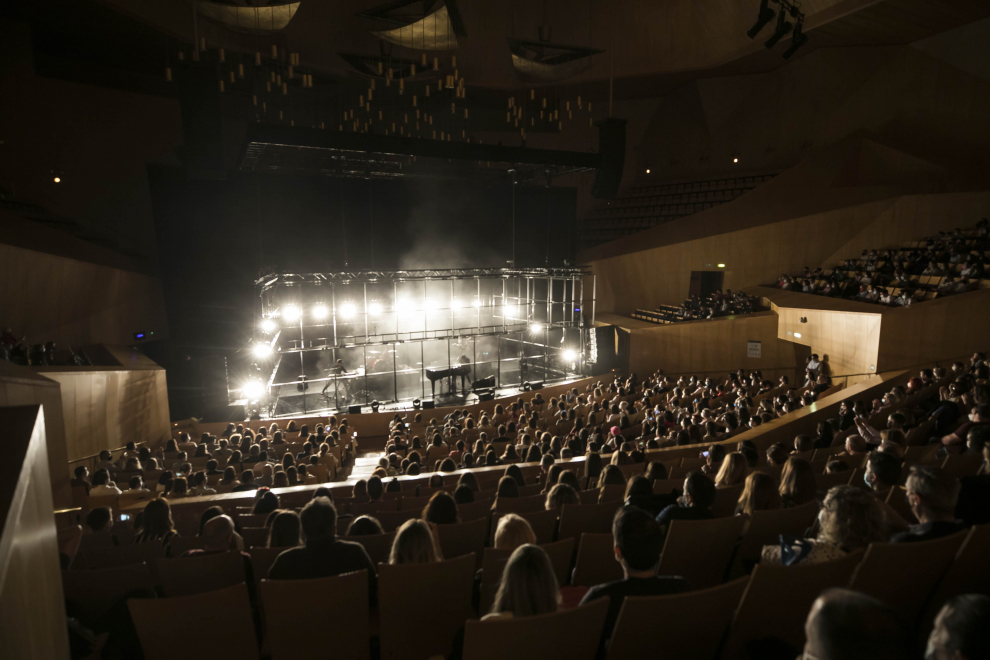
point(638, 542)
point(901, 277)
point(847, 625)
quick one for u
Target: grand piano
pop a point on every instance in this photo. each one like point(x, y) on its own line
point(462, 370)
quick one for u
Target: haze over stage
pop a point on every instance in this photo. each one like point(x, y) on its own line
point(328, 341)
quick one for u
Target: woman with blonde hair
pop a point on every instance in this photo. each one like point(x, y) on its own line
point(759, 494)
point(797, 482)
point(528, 586)
point(414, 544)
point(512, 532)
point(733, 471)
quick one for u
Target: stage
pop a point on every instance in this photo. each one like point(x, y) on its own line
point(331, 341)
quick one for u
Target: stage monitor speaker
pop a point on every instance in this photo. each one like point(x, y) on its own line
point(429, 404)
point(486, 396)
point(235, 412)
point(531, 386)
point(354, 410)
point(612, 149)
point(484, 383)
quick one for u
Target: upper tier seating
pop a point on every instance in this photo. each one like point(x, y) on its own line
point(941, 265)
point(647, 206)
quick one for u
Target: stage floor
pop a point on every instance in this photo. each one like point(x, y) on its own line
point(314, 402)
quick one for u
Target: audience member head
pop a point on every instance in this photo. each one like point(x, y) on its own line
point(638, 541)
point(759, 494)
point(463, 494)
point(156, 520)
point(559, 495)
point(507, 487)
point(733, 470)
point(797, 482)
point(364, 526)
point(441, 509)
point(778, 453)
point(99, 519)
point(699, 490)
point(848, 625)
point(803, 443)
point(512, 532)
point(655, 470)
point(319, 521)
point(962, 629)
point(375, 489)
point(266, 503)
point(529, 584)
point(285, 530)
point(468, 479)
point(932, 494)
point(851, 518)
point(413, 544)
point(218, 533)
point(883, 470)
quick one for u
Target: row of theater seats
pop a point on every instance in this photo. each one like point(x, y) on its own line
point(647, 206)
point(711, 554)
point(880, 272)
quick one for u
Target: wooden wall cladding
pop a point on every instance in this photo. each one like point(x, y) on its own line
point(758, 255)
point(52, 298)
point(107, 408)
point(716, 346)
point(935, 330)
point(848, 341)
point(21, 386)
point(31, 599)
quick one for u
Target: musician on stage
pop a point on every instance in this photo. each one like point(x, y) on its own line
point(337, 370)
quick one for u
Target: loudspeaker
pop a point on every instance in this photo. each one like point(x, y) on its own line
point(353, 410)
point(429, 404)
point(235, 412)
point(484, 383)
point(612, 149)
point(535, 385)
point(488, 395)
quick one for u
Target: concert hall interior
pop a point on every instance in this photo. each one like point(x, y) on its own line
point(433, 329)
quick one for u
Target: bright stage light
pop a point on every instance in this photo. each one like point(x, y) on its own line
point(375, 308)
point(570, 356)
point(347, 310)
point(252, 389)
point(320, 312)
point(268, 325)
point(261, 350)
point(477, 302)
point(292, 313)
point(536, 328)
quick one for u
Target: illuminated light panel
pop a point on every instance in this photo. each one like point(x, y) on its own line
point(292, 313)
point(252, 389)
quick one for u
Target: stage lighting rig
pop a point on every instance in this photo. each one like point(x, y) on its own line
point(766, 15)
point(783, 25)
point(799, 39)
point(261, 350)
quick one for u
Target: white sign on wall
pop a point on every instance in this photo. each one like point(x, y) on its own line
point(754, 349)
